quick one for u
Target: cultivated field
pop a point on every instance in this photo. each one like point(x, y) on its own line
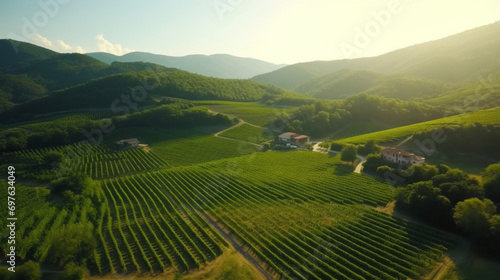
point(253, 113)
point(315, 223)
point(490, 116)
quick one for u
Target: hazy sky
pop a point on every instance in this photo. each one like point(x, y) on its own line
point(279, 31)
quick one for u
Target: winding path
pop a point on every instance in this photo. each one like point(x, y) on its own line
point(237, 246)
point(360, 164)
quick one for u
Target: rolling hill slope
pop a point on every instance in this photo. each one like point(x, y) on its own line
point(485, 117)
point(142, 88)
point(456, 58)
point(30, 72)
point(344, 83)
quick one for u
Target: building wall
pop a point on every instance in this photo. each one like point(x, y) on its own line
point(284, 138)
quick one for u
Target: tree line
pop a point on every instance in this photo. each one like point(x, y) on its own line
point(56, 133)
point(323, 117)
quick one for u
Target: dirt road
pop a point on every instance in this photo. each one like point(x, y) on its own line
point(238, 247)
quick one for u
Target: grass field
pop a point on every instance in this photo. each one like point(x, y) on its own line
point(354, 129)
point(250, 112)
point(490, 116)
point(249, 133)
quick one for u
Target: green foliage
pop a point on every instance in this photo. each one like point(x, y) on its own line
point(72, 272)
point(28, 271)
point(491, 182)
point(173, 115)
point(369, 147)
point(474, 138)
point(75, 182)
point(420, 172)
point(48, 132)
point(336, 146)
point(72, 243)
point(373, 161)
point(473, 216)
point(106, 92)
point(424, 201)
point(34, 72)
point(349, 153)
point(383, 170)
point(53, 158)
point(326, 117)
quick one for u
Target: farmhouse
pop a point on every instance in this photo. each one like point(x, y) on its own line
point(132, 142)
point(292, 137)
point(401, 156)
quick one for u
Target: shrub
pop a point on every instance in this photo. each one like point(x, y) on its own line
point(349, 153)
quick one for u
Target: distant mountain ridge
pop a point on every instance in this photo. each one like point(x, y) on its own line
point(457, 58)
point(218, 65)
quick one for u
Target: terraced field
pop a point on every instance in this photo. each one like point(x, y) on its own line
point(304, 227)
point(96, 161)
point(301, 213)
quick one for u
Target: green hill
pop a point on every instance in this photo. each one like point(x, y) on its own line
point(456, 58)
point(15, 55)
point(485, 117)
point(339, 84)
point(344, 83)
point(34, 72)
point(150, 86)
point(485, 93)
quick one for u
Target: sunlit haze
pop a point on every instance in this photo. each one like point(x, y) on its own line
point(278, 31)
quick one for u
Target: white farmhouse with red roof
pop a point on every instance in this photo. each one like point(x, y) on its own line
point(292, 137)
point(401, 156)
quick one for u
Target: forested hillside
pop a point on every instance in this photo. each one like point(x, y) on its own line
point(141, 88)
point(29, 72)
point(344, 83)
point(325, 117)
point(457, 58)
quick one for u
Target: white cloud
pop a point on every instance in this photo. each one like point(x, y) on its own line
point(106, 46)
point(79, 49)
point(68, 48)
point(39, 38)
point(63, 45)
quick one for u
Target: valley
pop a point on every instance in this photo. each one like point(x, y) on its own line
point(142, 166)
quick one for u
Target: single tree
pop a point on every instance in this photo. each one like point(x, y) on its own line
point(349, 153)
point(28, 271)
point(491, 182)
point(473, 216)
point(53, 159)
